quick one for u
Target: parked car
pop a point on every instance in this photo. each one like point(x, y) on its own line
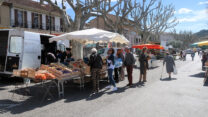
point(189, 51)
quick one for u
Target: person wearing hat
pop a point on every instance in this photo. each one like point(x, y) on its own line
point(95, 64)
point(170, 63)
point(129, 62)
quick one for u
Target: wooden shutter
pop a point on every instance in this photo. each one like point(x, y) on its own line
point(61, 25)
point(15, 17)
point(40, 15)
point(25, 19)
point(53, 23)
point(47, 26)
point(33, 20)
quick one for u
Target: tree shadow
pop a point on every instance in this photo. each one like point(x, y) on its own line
point(168, 79)
point(33, 99)
point(199, 75)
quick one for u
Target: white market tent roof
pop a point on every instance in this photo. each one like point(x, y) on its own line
point(92, 35)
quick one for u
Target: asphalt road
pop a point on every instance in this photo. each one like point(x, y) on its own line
point(183, 96)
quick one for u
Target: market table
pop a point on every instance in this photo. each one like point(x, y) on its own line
point(59, 83)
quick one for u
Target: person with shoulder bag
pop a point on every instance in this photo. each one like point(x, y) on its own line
point(95, 64)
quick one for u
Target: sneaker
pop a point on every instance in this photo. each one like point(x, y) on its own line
point(108, 87)
point(115, 89)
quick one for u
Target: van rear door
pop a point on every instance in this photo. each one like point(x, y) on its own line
point(32, 50)
point(14, 51)
point(4, 34)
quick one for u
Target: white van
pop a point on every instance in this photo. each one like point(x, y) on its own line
point(22, 49)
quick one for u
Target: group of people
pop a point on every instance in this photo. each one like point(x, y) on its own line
point(183, 55)
point(117, 62)
point(61, 57)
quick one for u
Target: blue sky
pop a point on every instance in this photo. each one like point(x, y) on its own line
point(191, 14)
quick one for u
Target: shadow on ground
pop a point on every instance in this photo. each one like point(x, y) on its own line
point(168, 79)
point(23, 99)
point(198, 75)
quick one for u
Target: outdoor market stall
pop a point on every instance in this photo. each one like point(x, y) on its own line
point(82, 37)
point(76, 71)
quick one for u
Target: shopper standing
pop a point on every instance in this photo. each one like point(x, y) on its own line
point(95, 64)
point(129, 62)
point(111, 66)
point(143, 59)
point(119, 72)
point(170, 63)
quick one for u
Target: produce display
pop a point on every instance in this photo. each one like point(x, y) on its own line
point(48, 72)
point(59, 71)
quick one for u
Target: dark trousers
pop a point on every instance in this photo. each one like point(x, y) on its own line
point(116, 78)
point(129, 72)
point(96, 78)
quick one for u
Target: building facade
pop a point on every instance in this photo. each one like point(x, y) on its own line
point(30, 15)
point(129, 32)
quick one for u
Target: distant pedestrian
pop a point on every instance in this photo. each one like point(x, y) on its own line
point(95, 64)
point(170, 63)
point(143, 59)
point(129, 62)
point(184, 55)
point(111, 66)
point(200, 54)
point(192, 56)
point(204, 59)
point(181, 55)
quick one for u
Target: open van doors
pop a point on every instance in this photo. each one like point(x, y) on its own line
point(14, 50)
point(32, 50)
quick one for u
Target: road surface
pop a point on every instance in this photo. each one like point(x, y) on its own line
point(183, 96)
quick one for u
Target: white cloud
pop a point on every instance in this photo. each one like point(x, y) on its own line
point(184, 11)
point(202, 3)
point(195, 16)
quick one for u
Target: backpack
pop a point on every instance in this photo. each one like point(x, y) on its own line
point(96, 61)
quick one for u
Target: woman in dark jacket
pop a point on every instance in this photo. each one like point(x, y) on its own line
point(111, 65)
point(143, 59)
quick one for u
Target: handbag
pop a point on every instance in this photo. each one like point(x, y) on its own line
point(175, 70)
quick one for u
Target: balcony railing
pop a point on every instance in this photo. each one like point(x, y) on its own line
point(43, 26)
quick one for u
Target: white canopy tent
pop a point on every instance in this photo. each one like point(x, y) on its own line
point(89, 36)
point(92, 35)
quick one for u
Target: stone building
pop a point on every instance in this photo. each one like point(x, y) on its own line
point(30, 15)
